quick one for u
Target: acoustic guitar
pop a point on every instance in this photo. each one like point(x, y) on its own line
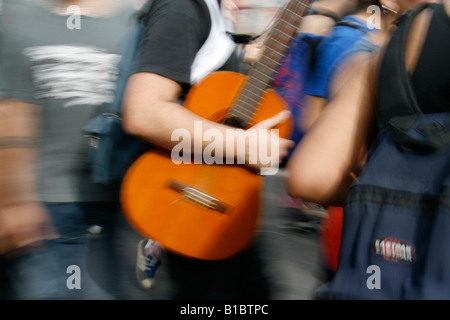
point(212, 211)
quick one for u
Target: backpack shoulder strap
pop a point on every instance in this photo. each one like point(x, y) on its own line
point(394, 74)
point(409, 126)
point(406, 80)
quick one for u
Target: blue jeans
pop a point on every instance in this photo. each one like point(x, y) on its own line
point(65, 268)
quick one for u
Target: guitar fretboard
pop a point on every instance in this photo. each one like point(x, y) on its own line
point(261, 74)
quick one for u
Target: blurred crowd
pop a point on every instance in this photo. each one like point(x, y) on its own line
point(58, 66)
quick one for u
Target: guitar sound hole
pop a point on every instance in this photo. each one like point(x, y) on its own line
point(234, 122)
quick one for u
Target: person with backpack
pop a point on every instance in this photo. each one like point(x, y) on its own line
point(370, 152)
point(58, 63)
point(321, 18)
point(178, 51)
point(353, 33)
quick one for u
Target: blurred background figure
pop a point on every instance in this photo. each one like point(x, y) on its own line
point(304, 62)
point(303, 56)
point(58, 65)
point(351, 34)
point(329, 55)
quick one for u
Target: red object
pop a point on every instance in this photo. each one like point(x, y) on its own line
point(330, 236)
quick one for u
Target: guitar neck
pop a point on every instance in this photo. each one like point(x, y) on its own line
point(262, 72)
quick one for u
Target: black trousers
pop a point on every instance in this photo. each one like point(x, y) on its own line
point(241, 277)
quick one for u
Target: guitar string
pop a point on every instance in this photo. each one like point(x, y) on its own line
point(280, 30)
point(245, 112)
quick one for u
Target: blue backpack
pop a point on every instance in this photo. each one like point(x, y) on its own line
point(395, 235)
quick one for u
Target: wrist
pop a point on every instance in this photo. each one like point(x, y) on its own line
point(241, 146)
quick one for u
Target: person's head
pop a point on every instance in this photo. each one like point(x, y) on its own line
point(390, 8)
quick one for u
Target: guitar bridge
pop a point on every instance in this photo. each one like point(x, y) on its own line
point(198, 197)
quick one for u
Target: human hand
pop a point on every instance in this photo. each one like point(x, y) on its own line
point(253, 53)
point(265, 148)
point(23, 226)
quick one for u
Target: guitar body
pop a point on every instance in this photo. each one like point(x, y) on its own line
point(204, 211)
point(212, 97)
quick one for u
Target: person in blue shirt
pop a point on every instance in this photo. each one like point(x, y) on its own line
point(292, 75)
point(330, 53)
point(354, 32)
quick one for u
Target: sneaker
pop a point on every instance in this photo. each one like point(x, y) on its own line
point(306, 207)
point(149, 254)
point(313, 209)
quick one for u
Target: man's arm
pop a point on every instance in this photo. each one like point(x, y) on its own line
point(152, 113)
point(23, 219)
point(18, 132)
